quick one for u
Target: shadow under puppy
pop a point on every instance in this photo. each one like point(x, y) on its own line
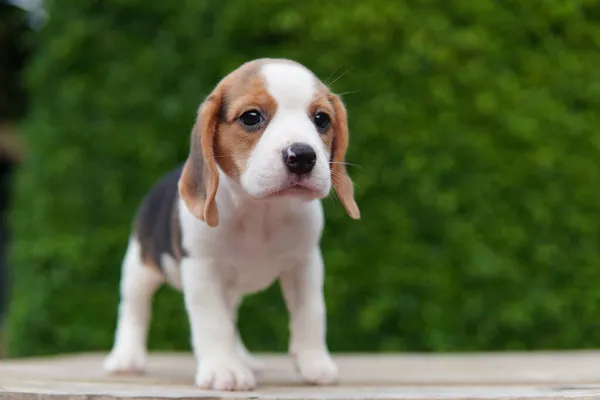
point(245, 209)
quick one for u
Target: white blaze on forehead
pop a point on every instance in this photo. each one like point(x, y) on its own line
point(291, 85)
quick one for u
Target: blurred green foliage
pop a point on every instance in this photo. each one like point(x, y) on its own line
point(474, 126)
point(14, 49)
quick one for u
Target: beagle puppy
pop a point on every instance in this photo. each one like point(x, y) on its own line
point(243, 210)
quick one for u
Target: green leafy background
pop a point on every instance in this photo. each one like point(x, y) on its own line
point(475, 131)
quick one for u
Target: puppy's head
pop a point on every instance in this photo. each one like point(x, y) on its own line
point(276, 129)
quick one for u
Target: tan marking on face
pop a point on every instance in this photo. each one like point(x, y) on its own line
point(244, 91)
point(321, 103)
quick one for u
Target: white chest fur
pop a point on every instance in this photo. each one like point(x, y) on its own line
point(255, 241)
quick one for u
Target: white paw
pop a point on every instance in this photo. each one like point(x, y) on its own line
point(317, 368)
point(128, 360)
point(224, 374)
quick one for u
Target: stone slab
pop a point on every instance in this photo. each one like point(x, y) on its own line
point(542, 375)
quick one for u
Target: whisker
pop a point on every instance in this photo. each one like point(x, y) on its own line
point(347, 163)
point(330, 75)
point(329, 200)
point(340, 175)
point(336, 79)
point(333, 196)
point(349, 92)
point(222, 156)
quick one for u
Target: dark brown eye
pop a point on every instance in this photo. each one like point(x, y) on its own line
point(322, 121)
point(251, 118)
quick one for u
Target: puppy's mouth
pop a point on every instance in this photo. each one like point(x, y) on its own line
point(297, 189)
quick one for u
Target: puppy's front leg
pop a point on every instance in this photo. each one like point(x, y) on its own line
point(303, 292)
point(213, 329)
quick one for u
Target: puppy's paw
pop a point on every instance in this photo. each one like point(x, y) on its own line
point(317, 368)
point(126, 360)
point(227, 373)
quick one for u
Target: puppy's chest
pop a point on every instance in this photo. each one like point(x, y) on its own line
point(257, 252)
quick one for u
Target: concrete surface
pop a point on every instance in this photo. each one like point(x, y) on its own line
point(406, 376)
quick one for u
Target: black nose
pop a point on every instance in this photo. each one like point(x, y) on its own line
point(299, 158)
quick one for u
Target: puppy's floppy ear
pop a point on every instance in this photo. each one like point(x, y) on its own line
point(339, 176)
point(200, 178)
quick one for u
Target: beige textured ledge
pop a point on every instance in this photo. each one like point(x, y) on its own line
point(556, 375)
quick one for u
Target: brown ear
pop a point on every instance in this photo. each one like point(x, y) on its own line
point(339, 176)
point(200, 178)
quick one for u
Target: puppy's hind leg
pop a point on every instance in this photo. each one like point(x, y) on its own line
point(138, 285)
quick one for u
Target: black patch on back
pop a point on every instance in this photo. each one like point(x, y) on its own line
point(157, 225)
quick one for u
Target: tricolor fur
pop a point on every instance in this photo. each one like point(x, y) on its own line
point(243, 210)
